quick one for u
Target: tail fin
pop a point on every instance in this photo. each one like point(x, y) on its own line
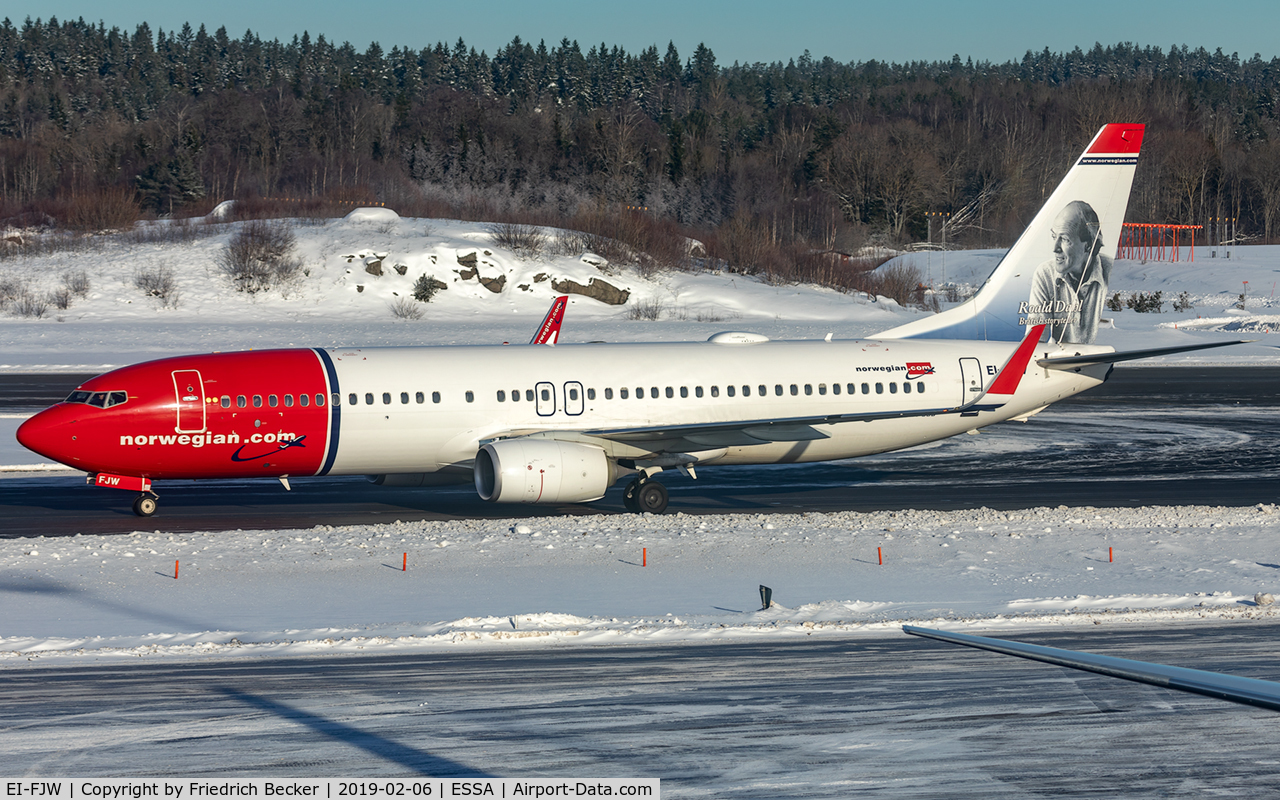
point(549, 330)
point(1057, 273)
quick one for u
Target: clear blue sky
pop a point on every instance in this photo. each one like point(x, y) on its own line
point(742, 30)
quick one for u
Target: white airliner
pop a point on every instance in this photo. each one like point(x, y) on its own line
point(561, 424)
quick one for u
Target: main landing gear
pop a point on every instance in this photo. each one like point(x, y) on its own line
point(144, 505)
point(645, 497)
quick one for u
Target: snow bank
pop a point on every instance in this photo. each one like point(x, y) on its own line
point(374, 214)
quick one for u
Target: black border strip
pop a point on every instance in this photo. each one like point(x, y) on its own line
point(335, 411)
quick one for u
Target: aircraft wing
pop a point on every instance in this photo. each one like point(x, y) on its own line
point(1068, 362)
point(1247, 691)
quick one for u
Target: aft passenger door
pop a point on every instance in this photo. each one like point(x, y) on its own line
point(189, 392)
point(971, 377)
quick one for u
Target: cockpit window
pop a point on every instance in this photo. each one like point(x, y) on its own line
point(98, 399)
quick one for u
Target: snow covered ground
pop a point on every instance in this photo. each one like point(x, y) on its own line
point(580, 580)
point(626, 578)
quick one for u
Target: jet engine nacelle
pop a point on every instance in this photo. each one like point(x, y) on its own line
point(542, 471)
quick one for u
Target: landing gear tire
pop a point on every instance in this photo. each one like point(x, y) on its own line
point(629, 497)
point(651, 498)
point(144, 505)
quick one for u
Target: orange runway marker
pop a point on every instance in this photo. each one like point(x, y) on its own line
point(1110, 556)
point(644, 556)
point(175, 569)
point(404, 567)
point(880, 556)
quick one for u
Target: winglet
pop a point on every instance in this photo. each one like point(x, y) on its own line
point(1006, 383)
point(549, 330)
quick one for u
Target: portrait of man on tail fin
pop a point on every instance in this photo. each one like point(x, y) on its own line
point(1069, 289)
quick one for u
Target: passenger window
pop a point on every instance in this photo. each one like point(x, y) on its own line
point(670, 393)
point(777, 389)
point(435, 397)
point(866, 388)
point(591, 394)
point(337, 400)
point(608, 394)
point(715, 391)
point(241, 402)
point(762, 389)
point(471, 396)
point(404, 398)
point(352, 399)
point(697, 391)
point(386, 398)
point(835, 388)
point(502, 396)
point(640, 393)
point(419, 398)
point(684, 391)
point(257, 401)
point(906, 387)
point(795, 390)
point(893, 388)
point(920, 388)
point(288, 401)
point(528, 395)
point(515, 395)
point(808, 388)
point(746, 391)
point(573, 394)
point(852, 389)
point(304, 400)
point(879, 388)
point(368, 398)
point(226, 401)
point(730, 390)
point(272, 400)
point(822, 388)
point(546, 394)
point(623, 393)
point(653, 392)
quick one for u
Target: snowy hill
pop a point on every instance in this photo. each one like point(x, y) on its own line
point(354, 270)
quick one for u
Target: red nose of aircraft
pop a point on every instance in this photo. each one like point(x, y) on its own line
point(51, 433)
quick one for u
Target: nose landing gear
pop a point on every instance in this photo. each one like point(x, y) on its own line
point(144, 505)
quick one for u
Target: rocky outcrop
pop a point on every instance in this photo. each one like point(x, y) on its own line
point(494, 285)
point(596, 289)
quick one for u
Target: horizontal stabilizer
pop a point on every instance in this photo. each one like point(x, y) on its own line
point(1248, 691)
point(1067, 362)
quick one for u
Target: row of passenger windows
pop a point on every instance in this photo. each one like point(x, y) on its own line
point(730, 391)
point(418, 397)
point(273, 400)
point(624, 393)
